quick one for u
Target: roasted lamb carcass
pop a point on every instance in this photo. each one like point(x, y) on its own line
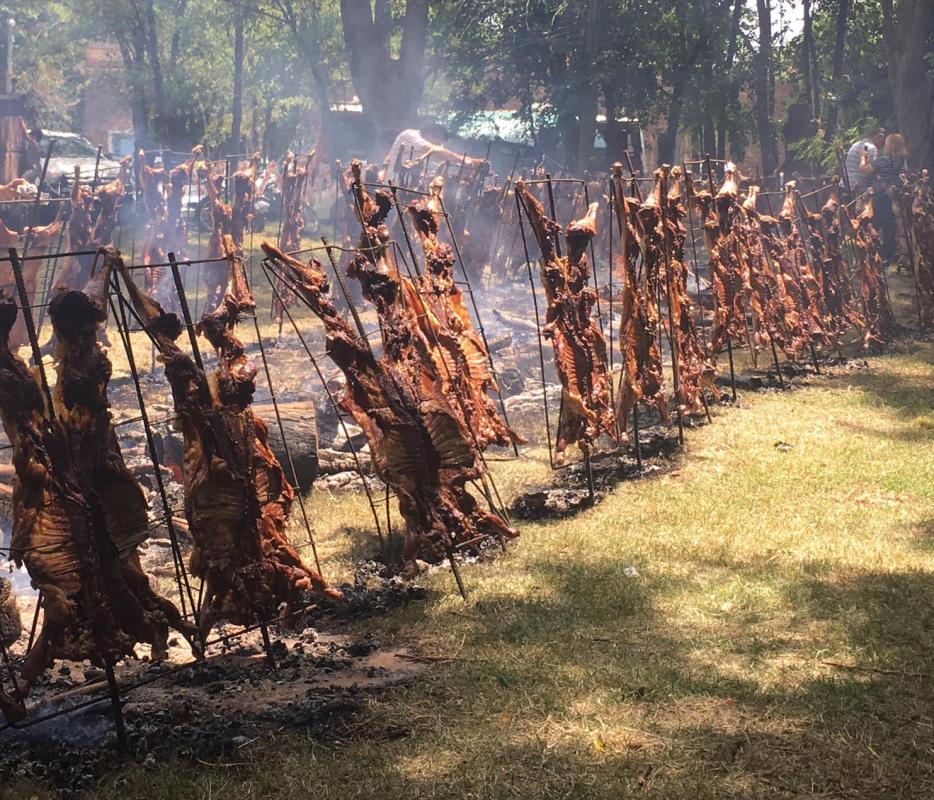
point(774, 315)
point(293, 182)
point(214, 274)
point(14, 189)
point(39, 238)
point(879, 320)
point(695, 370)
point(242, 201)
point(642, 377)
point(179, 180)
point(579, 345)
point(800, 281)
point(78, 513)
point(839, 298)
point(920, 201)
point(80, 235)
point(153, 181)
point(418, 444)
point(109, 196)
point(727, 268)
point(464, 366)
point(237, 499)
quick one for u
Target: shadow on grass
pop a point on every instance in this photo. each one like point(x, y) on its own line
point(591, 631)
point(908, 397)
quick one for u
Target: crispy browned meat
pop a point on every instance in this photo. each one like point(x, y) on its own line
point(719, 215)
point(10, 191)
point(880, 324)
point(463, 364)
point(579, 345)
point(241, 214)
point(919, 202)
point(800, 281)
point(81, 236)
point(696, 371)
point(292, 184)
point(180, 178)
point(237, 499)
point(642, 378)
point(214, 274)
point(78, 513)
point(293, 181)
point(417, 442)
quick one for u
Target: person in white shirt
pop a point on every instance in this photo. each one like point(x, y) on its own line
point(411, 145)
point(873, 143)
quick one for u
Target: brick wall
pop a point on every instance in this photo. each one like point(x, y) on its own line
point(104, 105)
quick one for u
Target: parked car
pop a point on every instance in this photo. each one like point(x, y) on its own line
point(70, 150)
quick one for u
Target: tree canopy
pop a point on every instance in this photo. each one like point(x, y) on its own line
point(727, 74)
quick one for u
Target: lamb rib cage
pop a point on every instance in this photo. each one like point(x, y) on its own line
point(417, 441)
point(579, 345)
point(642, 377)
point(237, 499)
point(77, 526)
point(463, 361)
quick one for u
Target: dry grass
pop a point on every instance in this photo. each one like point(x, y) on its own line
point(708, 674)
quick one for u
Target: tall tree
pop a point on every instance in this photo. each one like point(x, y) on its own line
point(909, 37)
point(839, 45)
point(808, 68)
point(389, 87)
point(236, 114)
point(764, 93)
point(589, 93)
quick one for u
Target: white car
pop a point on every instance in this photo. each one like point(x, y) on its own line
point(68, 150)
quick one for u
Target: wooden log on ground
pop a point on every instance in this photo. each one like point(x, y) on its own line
point(299, 420)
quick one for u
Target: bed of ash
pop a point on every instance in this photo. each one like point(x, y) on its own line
point(214, 710)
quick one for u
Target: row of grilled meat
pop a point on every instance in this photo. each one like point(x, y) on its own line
point(80, 515)
point(423, 400)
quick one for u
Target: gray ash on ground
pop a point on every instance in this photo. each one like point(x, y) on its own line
point(569, 492)
point(213, 711)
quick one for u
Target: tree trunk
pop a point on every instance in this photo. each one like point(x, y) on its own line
point(808, 67)
point(912, 83)
point(588, 94)
point(615, 134)
point(179, 22)
point(668, 139)
point(155, 62)
point(836, 75)
point(763, 67)
point(390, 89)
point(236, 117)
point(732, 91)
point(139, 106)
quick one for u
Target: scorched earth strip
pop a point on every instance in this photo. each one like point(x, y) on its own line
point(237, 499)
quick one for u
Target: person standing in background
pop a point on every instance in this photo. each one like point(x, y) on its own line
point(874, 142)
point(884, 171)
point(411, 145)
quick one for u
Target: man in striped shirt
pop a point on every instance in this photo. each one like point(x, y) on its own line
point(874, 143)
point(885, 170)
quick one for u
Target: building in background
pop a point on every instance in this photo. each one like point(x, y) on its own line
point(106, 117)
